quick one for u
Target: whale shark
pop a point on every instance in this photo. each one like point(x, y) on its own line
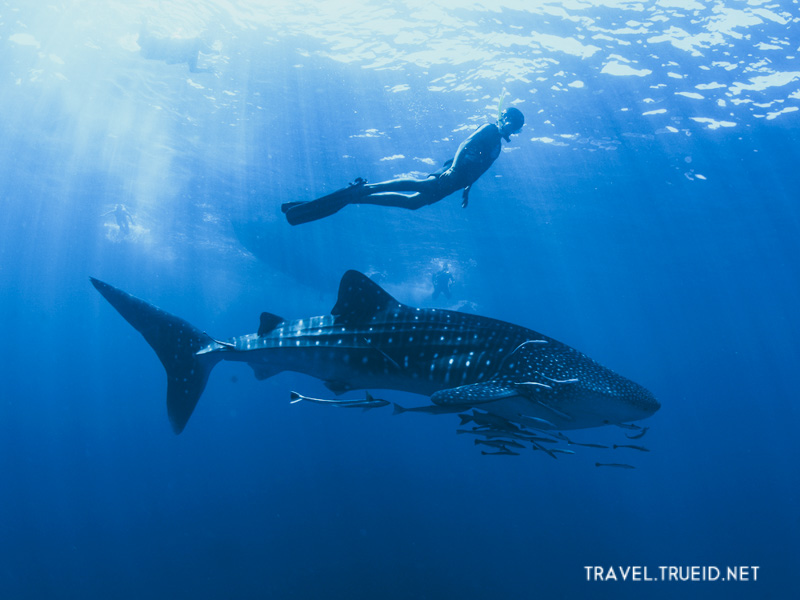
point(370, 340)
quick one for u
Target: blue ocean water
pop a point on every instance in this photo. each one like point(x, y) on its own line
point(647, 214)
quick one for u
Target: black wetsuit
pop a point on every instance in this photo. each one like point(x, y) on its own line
point(472, 159)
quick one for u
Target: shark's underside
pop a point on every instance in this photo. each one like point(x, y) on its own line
point(372, 341)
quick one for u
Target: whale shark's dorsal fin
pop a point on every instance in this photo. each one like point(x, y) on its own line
point(268, 322)
point(360, 299)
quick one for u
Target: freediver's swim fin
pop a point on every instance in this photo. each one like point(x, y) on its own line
point(298, 213)
point(287, 206)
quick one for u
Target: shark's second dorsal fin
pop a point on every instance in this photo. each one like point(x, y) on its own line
point(360, 299)
point(268, 322)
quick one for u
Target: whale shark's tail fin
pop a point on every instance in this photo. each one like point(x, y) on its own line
point(176, 343)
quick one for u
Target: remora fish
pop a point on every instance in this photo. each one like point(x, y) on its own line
point(488, 420)
point(366, 403)
point(503, 452)
point(372, 341)
point(632, 447)
point(637, 435)
point(431, 409)
point(498, 434)
point(561, 436)
point(499, 443)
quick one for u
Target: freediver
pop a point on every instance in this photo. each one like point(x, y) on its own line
point(123, 217)
point(473, 157)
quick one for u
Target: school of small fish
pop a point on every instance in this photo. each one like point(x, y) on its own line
point(502, 437)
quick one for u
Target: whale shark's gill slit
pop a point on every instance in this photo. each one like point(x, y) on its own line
point(528, 386)
point(571, 380)
point(224, 344)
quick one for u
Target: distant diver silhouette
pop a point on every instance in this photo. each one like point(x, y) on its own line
point(473, 157)
point(123, 218)
point(442, 281)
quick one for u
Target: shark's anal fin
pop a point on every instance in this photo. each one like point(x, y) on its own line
point(264, 371)
point(268, 322)
point(360, 299)
point(338, 387)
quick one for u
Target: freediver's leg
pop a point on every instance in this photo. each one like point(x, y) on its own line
point(407, 185)
point(418, 193)
point(397, 200)
point(401, 193)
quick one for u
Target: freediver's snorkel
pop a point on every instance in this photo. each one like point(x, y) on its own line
point(500, 115)
point(500, 105)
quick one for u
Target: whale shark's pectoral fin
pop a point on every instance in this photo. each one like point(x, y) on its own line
point(474, 394)
point(516, 377)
